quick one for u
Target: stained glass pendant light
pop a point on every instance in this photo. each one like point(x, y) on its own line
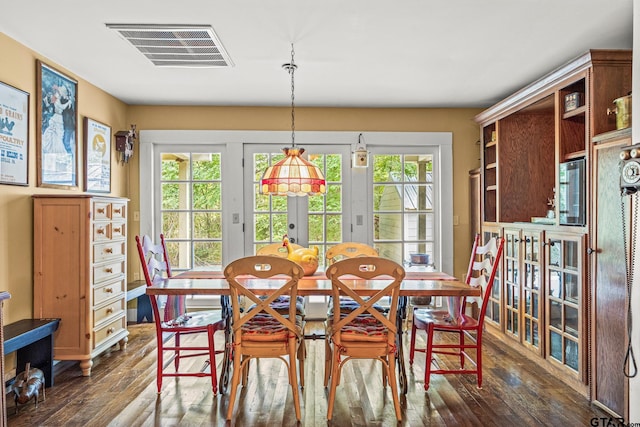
point(293, 175)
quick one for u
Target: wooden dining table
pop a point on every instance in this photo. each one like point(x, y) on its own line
point(415, 284)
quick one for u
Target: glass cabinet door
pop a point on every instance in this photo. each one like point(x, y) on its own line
point(531, 288)
point(493, 307)
point(564, 300)
point(511, 278)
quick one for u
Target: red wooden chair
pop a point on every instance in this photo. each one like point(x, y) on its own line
point(176, 322)
point(482, 270)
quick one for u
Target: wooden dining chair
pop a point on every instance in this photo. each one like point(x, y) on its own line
point(263, 331)
point(176, 322)
point(363, 331)
point(482, 271)
point(346, 250)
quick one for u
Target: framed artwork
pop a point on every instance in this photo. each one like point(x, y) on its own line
point(57, 128)
point(97, 156)
point(14, 135)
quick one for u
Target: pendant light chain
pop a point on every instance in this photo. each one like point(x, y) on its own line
point(293, 175)
point(292, 69)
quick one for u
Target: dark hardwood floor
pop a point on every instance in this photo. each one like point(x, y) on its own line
point(122, 392)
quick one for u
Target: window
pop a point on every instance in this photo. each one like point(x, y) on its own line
point(403, 207)
point(191, 209)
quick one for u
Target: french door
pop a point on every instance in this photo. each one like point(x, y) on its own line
point(321, 220)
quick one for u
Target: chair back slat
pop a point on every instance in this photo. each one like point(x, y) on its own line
point(155, 267)
point(348, 250)
point(486, 265)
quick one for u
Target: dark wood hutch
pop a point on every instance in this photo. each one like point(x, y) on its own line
point(548, 301)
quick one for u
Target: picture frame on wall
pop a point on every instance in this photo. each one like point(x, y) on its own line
point(57, 128)
point(14, 135)
point(97, 156)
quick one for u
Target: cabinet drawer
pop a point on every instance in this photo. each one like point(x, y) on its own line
point(118, 230)
point(110, 329)
point(108, 291)
point(116, 307)
point(118, 211)
point(101, 231)
point(101, 210)
point(105, 272)
point(105, 251)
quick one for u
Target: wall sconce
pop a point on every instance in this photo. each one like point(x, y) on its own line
point(124, 143)
point(360, 154)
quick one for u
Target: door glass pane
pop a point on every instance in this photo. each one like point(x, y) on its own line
point(191, 209)
point(571, 255)
point(555, 284)
point(555, 346)
point(555, 315)
point(571, 287)
point(404, 205)
point(571, 353)
point(571, 320)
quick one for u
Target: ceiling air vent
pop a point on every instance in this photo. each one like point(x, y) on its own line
point(190, 46)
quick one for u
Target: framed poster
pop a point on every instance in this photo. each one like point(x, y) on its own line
point(97, 156)
point(14, 135)
point(57, 128)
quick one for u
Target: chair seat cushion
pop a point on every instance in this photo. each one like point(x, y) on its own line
point(363, 328)
point(196, 319)
point(442, 319)
point(263, 327)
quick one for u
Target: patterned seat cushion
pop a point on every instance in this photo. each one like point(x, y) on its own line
point(363, 328)
point(263, 327)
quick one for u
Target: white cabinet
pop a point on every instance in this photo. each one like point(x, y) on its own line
point(80, 271)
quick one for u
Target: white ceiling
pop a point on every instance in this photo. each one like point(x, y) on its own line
point(350, 53)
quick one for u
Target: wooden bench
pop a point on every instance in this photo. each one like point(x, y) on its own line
point(32, 340)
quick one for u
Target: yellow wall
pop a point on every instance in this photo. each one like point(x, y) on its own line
point(16, 218)
point(18, 69)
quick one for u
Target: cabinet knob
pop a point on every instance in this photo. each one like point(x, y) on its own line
point(100, 231)
point(109, 310)
point(100, 210)
point(590, 251)
point(117, 211)
point(549, 243)
point(108, 290)
point(110, 331)
point(117, 230)
point(108, 270)
point(109, 250)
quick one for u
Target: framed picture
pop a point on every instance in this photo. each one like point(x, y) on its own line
point(14, 136)
point(97, 156)
point(57, 128)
